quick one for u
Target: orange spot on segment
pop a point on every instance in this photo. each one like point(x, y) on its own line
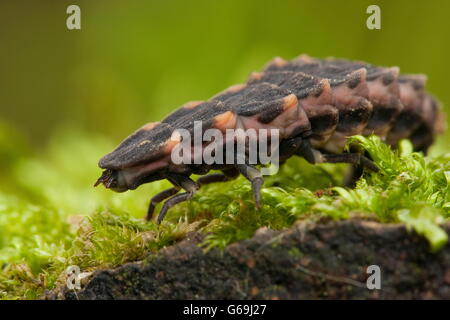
point(150, 126)
point(172, 142)
point(327, 92)
point(289, 102)
point(304, 58)
point(326, 87)
point(226, 120)
point(279, 62)
point(395, 71)
point(356, 78)
point(255, 76)
point(359, 74)
point(192, 104)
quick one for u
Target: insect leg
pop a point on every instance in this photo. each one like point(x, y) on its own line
point(353, 158)
point(158, 198)
point(255, 177)
point(171, 202)
point(227, 175)
point(181, 181)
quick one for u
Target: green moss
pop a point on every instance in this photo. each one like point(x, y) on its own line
point(55, 218)
point(409, 188)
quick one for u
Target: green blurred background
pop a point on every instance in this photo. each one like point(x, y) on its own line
point(134, 61)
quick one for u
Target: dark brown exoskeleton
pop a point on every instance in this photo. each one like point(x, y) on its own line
point(316, 104)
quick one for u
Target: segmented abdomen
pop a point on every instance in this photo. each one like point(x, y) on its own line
point(343, 98)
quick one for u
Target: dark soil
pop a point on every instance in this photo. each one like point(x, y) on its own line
point(307, 261)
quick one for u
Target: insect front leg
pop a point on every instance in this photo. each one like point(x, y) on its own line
point(181, 181)
point(173, 201)
point(255, 177)
point(163, 195)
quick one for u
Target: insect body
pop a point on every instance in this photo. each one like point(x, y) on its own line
point(316, 104)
